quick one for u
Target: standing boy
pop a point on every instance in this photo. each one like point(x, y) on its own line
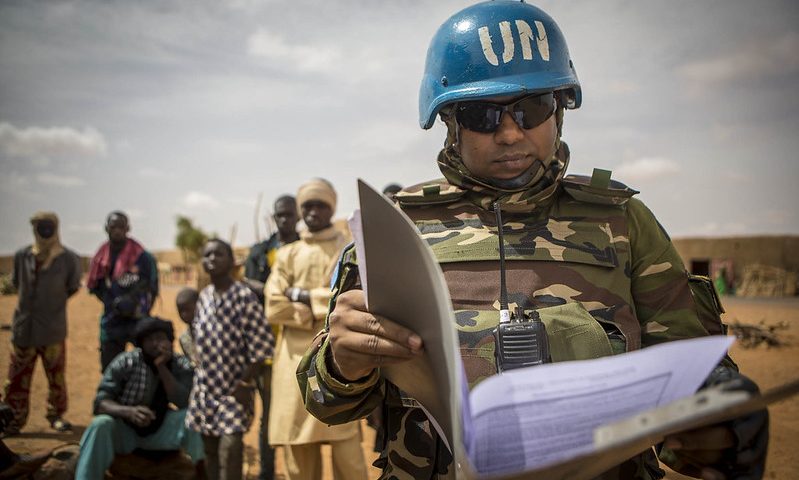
point(232, 340)
point(186, 303)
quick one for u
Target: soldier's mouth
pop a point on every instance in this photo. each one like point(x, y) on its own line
point(513, 162)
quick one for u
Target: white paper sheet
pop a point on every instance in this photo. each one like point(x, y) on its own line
point(528, 418)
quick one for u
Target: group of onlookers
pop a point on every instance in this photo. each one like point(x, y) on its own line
point(152, 398)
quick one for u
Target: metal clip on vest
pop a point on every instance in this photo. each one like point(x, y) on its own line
point(520, 339)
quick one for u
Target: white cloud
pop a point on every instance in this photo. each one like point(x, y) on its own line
point(648, 168)
point(751, 60)
point(307, 58)
point(196, 199)
point(35, 142)
point(60, 180)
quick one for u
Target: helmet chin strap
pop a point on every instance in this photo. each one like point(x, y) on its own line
point(537, 168)
point(517, 182)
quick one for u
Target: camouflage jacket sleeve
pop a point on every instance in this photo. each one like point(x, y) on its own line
point(662, 294)
point(326, 397)
point(660, 290)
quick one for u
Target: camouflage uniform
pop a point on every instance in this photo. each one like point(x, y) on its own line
point(593, 261)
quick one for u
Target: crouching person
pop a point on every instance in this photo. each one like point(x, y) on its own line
point(132, 405)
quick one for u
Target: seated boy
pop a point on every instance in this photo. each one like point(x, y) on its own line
point(132, 405)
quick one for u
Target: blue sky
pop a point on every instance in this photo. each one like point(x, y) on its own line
point(197, 107)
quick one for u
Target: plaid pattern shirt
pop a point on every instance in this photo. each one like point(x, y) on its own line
point(129, 381)
point(230, 333)
point(133, 392)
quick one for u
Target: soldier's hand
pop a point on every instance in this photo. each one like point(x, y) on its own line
point(361, 342)
point(735, 449)
point(702, 447)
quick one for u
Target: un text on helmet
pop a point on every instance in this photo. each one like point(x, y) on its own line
point(525, 39)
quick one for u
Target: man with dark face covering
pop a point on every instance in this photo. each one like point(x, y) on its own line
point(132, 405)
point(124, 276)
point(45, 274)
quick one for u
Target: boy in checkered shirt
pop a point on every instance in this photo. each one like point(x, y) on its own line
point(232, 340)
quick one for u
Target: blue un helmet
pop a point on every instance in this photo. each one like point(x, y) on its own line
point(496, 48)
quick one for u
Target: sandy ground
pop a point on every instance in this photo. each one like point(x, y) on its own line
point(768, 367)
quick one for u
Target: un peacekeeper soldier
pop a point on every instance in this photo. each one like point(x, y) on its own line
point(582, 252)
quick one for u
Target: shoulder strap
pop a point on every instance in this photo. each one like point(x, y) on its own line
point(434, 192)
point(598, 188)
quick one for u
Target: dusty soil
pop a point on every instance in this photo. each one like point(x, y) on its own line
point(768, 367)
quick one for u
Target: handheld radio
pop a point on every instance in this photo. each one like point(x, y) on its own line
point(521, 339)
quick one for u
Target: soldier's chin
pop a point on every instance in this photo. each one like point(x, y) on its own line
point(512, 182)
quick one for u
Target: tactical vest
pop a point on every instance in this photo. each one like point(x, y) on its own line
point(569, 261)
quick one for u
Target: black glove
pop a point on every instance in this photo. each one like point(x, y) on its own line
point(747, 460)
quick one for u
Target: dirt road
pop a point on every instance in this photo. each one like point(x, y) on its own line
point(768, 367)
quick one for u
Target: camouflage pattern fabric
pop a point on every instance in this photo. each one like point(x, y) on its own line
point(483, 194)
point(582, 242)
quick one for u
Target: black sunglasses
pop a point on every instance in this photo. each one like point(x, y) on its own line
point(485, 117)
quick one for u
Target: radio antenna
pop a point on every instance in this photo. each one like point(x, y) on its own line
point(504, 312)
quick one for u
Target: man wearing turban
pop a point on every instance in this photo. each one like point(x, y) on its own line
point(297, 294)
